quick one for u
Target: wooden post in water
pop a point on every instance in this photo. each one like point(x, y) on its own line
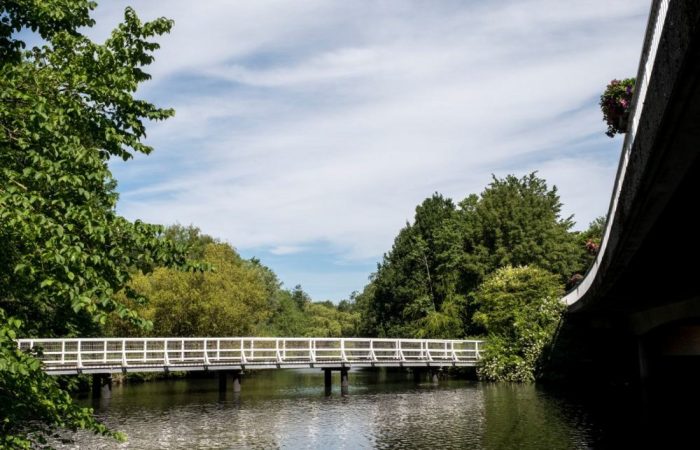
point(223, 375)
point(327, 382)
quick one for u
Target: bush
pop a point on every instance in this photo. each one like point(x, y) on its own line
point(520, 309)
point(615, 104)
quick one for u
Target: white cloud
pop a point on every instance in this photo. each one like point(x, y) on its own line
point(306, 122)
point(286, 249)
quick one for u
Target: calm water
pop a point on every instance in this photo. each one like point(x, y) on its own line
point(287, 409)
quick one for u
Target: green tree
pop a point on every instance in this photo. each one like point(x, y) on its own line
point(520, 309)
point(589, 241)
point(423, 285)
point(410, 289)
point(517, 221)
point(190, 238)
point(66, 107)
point(229, 300)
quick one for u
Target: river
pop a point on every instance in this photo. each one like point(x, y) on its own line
point(287, 409)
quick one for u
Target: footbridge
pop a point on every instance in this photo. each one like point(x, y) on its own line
point(639, 305)
point(232, 355)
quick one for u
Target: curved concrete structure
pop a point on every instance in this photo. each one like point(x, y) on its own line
point(640, 303)
point(649, 229)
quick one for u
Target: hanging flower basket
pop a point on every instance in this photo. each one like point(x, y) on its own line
point(615, 104)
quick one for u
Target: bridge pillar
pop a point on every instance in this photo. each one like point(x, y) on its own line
point(327, 382)
point(434, 376)
point(344, 382)
point(237, 376)
point(102, 385)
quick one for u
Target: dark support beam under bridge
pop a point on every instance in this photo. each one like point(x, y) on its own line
point(328, 380)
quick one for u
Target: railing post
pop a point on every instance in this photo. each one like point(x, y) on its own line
point(243, 358)
point(454, 355)
point(312, 350)
point(166, 358)
point(342, 350)
point(402, 357)
point(277, 351)
point(104, 352)
point(372, 355)
point(218, 350)
point(145, 347)
point(80, 356)
point(206, 353)
point(63, 352)
point(124, 362)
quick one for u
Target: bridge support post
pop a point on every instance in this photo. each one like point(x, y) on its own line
point(237, 376)
point(434, 376)
point(327, 382)
point(344, 383)
point(102, 385)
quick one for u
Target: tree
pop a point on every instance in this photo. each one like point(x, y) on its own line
point(229, 300)
point(66, 107)
point(423, 285)
point(517, 222)
point(520, 309)
point(409, 284)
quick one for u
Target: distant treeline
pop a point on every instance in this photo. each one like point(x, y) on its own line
point(233, 296)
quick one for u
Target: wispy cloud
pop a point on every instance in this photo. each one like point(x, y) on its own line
point(314, 128)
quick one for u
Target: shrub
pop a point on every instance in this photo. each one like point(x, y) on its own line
point(520, 308)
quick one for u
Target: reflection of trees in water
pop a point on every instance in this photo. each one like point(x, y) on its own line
point(521, 416)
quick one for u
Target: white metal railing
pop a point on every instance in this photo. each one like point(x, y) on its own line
point(113, 354)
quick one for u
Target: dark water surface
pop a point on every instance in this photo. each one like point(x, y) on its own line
point(287, 409)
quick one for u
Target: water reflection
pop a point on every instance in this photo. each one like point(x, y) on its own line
point(287, 409)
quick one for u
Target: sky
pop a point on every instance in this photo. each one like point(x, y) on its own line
point(306, 132)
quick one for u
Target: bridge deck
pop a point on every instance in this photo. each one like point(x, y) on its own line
point(110, 355)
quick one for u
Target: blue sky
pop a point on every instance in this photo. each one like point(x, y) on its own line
point(307, 131)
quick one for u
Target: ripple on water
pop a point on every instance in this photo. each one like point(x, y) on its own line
point(287, 410)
